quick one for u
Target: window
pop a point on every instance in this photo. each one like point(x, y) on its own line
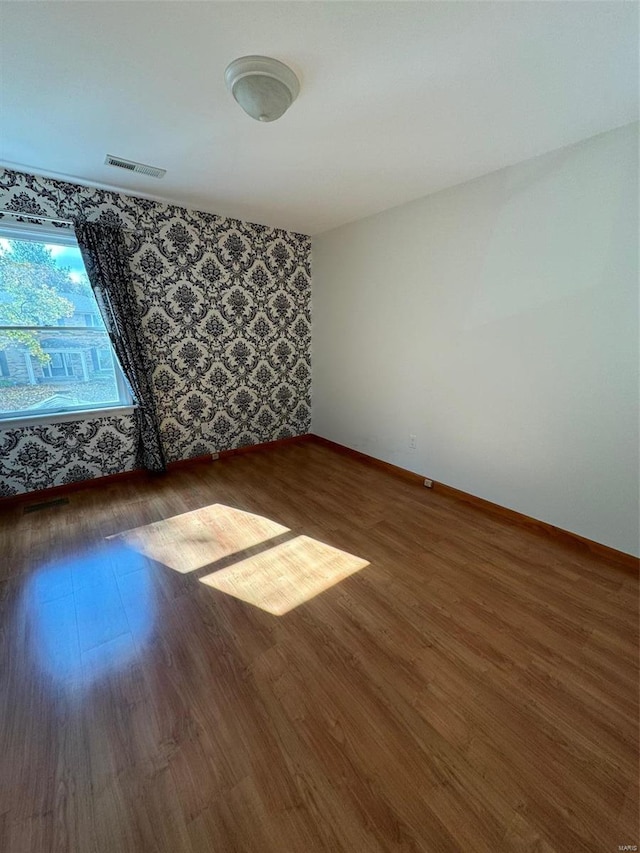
point(55, 353)
point(101, 359)
point(59, 366)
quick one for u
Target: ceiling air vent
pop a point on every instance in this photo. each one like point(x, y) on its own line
point(132, 166)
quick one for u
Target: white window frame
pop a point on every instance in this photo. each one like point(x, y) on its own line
point(28, 417)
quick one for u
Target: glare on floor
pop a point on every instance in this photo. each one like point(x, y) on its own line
point(196, 539)
point(286, 575)
point(274, 569)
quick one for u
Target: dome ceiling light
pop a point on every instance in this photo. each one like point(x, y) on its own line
point(264, 87)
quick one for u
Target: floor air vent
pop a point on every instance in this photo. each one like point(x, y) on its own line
point(46, 505)
point(132, 166)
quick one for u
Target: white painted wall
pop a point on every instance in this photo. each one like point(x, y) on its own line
point(498, 322)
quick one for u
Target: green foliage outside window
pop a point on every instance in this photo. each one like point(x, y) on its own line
point(33, 289)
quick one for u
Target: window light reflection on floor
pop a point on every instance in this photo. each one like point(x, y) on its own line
point(196, 539)
point(87, 612)
point(286, 575)
point(261, 561)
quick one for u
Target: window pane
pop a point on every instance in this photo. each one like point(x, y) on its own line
point(43, 284)
point(56, 369)
point(55, 354)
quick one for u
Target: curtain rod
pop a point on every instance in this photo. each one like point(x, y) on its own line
point(38, 218)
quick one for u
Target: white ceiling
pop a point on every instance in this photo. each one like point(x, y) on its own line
point(398, 99)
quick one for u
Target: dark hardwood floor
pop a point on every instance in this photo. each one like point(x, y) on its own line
point(292, 651)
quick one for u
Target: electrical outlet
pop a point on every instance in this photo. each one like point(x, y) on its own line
point(412, 442)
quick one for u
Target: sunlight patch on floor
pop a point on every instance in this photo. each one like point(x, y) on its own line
point(286, 575)
point(196, 539)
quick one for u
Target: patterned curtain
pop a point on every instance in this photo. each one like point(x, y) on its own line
point(105, 257)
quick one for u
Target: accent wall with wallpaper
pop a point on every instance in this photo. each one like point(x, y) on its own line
point(226, 309)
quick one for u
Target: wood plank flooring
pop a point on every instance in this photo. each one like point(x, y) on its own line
point(291, 651)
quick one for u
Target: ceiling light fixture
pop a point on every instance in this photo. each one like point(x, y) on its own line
point(264, 87)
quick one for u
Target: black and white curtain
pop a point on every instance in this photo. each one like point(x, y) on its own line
point(105, 257)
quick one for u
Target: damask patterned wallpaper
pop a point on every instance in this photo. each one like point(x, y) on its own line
point(226, 311)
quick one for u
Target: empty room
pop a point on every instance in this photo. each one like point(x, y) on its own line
point(319, 426)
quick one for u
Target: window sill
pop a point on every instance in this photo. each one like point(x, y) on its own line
point(64, 417)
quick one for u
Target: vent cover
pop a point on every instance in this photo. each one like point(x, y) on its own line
point(132, 166)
